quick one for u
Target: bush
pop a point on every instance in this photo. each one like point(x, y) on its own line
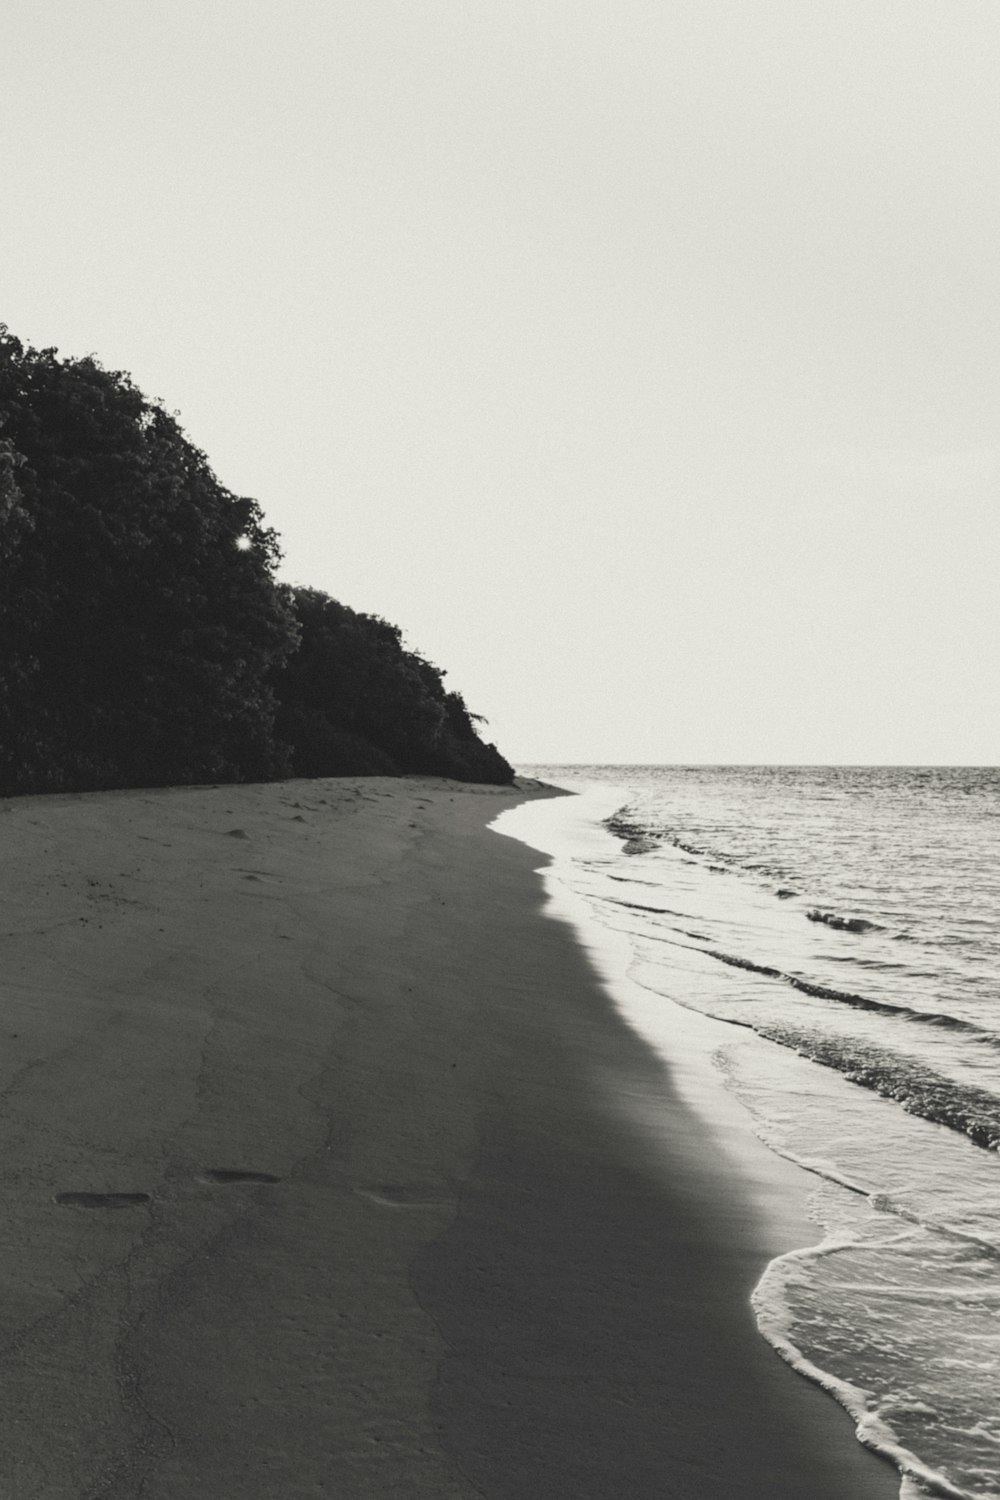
point(351, 682)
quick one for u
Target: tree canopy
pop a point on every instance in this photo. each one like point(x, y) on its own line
point(144, 638)
point(351, 693)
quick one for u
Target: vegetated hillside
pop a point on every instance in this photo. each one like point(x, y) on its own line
point(144, 639)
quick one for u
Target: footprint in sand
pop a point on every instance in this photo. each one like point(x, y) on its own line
point(102, 1200)
point(225, 1175)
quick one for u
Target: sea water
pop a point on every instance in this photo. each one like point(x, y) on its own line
point(848, 920)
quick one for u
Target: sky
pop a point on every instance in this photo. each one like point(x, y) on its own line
point(639, 358)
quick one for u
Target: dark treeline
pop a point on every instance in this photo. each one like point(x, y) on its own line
point(144, 640)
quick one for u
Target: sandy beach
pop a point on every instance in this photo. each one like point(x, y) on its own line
point(308, 1189)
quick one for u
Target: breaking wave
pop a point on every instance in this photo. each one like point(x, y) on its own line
point(842, 924)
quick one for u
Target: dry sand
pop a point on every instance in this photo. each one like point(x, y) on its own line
point(307, 1191)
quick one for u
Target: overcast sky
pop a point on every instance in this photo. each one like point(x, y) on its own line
point(638, 357)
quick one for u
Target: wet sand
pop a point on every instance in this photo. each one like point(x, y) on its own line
point(311, 1189)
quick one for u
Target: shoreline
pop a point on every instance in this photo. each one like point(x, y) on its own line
point(394, 1241)
point(776, 1187)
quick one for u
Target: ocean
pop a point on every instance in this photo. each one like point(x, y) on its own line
point(848, 920)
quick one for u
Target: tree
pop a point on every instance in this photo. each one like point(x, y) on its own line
point(144, 639)
point(138, 637)
point(354, 700)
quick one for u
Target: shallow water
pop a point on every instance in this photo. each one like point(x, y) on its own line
point(849, 918)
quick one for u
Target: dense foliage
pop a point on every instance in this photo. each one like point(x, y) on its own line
point(144, 639)
point(352, 699)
